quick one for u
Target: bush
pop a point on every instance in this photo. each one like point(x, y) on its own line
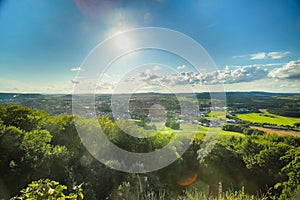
point(172, 125)
point(48, 189)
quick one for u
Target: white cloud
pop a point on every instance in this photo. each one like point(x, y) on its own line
point(226, 76)
point(181, 67)
point(239, 74)
point(105, 86)
point(265, 55)
point(148, 75)
point(258, 56)
point(76, 69)
point(277, 55)
point(289, 71)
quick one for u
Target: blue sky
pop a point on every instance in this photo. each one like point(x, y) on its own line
point(255, 44)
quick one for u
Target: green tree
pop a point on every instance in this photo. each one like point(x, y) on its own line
point(22, 117)
point(292, 169)
point(10, 146)
point(2, 111)
point(50, 190)
point(172, 125)
point(297, 125)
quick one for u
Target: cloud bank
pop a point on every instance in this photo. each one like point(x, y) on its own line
point(289, 71)
point(226, 76)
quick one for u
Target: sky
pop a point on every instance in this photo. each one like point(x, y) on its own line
point(253, 45)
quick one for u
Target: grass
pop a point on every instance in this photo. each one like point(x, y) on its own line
point(230, 133)
point(168, 130)
point(268, 118)
point(189, 194)
point(216, 115)
point(189, 129)
point(203, 129)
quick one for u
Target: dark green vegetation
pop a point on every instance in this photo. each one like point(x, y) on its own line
point(276, 103)
point(172, 125)
point(35, 145)
point(245, 129)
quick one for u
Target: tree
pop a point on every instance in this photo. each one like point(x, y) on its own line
point(49, 189)
point(10, 148)
point(172, 125)
point(22, 117)
point(297, 125)
point(2, 111)
point(292, 169)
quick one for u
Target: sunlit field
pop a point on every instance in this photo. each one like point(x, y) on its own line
point(268, 118)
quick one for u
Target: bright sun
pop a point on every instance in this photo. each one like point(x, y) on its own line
point(123, 42)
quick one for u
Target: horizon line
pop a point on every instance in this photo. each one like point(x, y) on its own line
point(41, 93)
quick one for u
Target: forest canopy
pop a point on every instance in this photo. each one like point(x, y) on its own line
point(36, 147)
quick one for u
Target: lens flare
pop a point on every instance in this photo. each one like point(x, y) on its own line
point(123, 42)
point(188, 181)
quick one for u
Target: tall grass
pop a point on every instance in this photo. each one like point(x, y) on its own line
point(125, 193)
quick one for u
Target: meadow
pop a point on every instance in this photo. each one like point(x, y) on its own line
point(187, 129)
point(268, 118)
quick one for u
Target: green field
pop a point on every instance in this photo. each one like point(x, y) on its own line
point(268, 118)
point(188, 129)
point(203, 129)
point(216, 115)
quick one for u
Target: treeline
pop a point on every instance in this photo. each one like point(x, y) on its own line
point(280, 104)
point(35, 145)
point(288, 111)
point(242, 128)
point(241, 124)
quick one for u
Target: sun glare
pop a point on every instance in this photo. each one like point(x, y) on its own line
point(123, 42)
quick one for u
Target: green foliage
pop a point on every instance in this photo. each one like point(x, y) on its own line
point(172, 125)
point(234, 127)
point(34, 145)
point(288, 111)
point(126, 191)
point(242, 128)
point(2, 110)
point(48, 189)
point(10, 148)
point(297, 125)
point(36, 142)
point(229, 195)
point(22, 117)
point(292, 169)
point(10, 140)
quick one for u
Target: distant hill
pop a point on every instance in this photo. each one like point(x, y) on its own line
point(19, 95)
point(202, 95)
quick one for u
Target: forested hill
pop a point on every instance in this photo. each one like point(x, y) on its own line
point(19, 95)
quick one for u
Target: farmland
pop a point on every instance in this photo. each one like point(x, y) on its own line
point(268, 118)
point(278, 131)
